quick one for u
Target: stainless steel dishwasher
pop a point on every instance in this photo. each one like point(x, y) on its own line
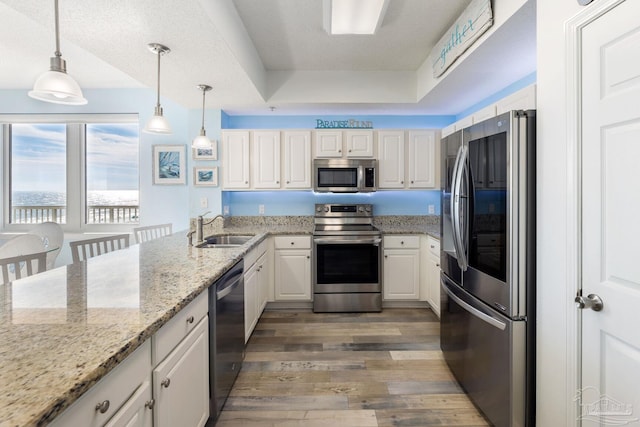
point(226, 336)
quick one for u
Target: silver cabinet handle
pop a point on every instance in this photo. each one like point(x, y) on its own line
point(103, 407)
point(166, 382)
point(592, 301)
point(149, 404)
point(190, 319)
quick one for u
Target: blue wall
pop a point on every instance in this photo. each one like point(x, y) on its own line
point(279, 203)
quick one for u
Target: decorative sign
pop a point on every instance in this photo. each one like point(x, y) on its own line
point(343, 124)
point(474, 21)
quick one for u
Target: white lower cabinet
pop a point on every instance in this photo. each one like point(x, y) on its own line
point(118, 399)
point(136, 412)
point(181, 382)
point(433, 274)
point(256, 286)
point(292, 260)
point(401, 268)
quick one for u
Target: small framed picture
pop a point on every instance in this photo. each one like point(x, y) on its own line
point(205, 176)
point(206, 153)
point(169, 165)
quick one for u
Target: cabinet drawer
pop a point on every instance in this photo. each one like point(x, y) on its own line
point(434, 246)
point(292, 242)
point(112, 391)
point(177, 328)
point(401, 242)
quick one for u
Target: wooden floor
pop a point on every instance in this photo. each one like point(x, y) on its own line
point(370, 369)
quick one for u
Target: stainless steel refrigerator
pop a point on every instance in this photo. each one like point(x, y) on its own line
point(488, 265)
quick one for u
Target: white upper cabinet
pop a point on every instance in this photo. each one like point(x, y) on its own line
point(343, 143)
point(359, 143)
point(297, 159)
point(391, 159)
point(407, 159)
point(266, 159)
point(423, 162)
point(235, 159)
point(328, 143)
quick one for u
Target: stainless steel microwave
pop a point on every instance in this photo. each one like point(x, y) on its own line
point(344, 175)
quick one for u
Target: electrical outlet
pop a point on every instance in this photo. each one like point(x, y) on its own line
point(431, 209)
point(225, 210)
point(204, 202)
point(261, 209)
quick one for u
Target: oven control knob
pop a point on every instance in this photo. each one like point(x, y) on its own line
point(319, 209)
point(326, 208)
point(360, 209)
point(368, 209)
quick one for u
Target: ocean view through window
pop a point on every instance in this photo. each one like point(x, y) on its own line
point(76, 174)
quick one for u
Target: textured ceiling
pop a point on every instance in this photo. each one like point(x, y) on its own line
point(262, 53)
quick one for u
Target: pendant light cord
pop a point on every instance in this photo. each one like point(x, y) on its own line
point(158, 103)
point(204, 92)
point(57, 52)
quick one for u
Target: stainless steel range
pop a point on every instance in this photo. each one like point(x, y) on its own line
point(346, 268)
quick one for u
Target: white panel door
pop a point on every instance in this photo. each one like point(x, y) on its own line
point(359, 143)
point(391, 159)
point(328, 143)
point(297, 159)
point(235, 159)
point(422, 159)
point(610, 216)
point(266, 159)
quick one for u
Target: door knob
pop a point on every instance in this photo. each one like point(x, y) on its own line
point(592, 301)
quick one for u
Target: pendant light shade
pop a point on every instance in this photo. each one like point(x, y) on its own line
point(56, 85)
point(201, 141)
point(158, 123)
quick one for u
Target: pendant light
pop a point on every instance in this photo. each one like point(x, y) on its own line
point(201, 141)
point(56, 85)
point(157, 123)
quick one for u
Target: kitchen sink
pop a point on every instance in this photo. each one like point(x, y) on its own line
point(224, 241)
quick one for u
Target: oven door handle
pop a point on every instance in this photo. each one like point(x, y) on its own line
point(329, 241)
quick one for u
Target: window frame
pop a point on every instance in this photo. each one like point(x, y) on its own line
point(75, 171)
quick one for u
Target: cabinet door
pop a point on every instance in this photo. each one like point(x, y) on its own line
point(266, 159)
point(181, 382)
point(136, 412)
point(251, 286)
point(328, 143)
point(263, 285)
point(433, 274)
point(402, 274)
point(235, 159)
point(293, 275)
point(422, 159)
point(391, 159)
point(359, 143)
point(297, 160)
point(433, 280)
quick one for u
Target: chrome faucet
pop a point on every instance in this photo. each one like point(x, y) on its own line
point(200, 224)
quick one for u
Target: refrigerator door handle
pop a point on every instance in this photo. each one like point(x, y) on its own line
point(458, 207)
point(486, 317)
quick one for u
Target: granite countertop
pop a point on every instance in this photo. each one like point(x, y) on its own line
point(64, 329)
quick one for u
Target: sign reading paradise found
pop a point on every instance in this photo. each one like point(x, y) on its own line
point(343, 124)
point(474, 21)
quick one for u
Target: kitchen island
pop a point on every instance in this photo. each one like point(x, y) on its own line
point(65, 329)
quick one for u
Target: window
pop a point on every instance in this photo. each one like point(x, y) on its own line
point(81, 172)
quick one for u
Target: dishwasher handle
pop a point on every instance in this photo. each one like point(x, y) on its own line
point(226, 290)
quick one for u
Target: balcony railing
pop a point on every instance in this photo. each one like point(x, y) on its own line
point(96, 214)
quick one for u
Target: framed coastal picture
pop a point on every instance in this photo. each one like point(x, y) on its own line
point(206, 153)
point(205, 176)
point(169, 164)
